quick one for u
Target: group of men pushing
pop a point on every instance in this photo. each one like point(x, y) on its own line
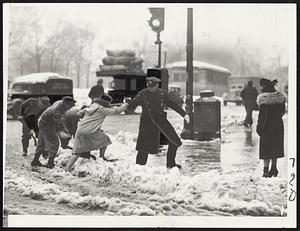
point(49, 122)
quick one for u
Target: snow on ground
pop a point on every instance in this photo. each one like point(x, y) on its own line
point(154, 189)
point(243, 193)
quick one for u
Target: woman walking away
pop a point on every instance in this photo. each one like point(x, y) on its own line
point(89, 135)
point(270, 126)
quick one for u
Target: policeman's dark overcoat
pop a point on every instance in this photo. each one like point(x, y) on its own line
point(154, 119)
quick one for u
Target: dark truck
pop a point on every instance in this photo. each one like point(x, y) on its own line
point(37, 84)
point(127, 84)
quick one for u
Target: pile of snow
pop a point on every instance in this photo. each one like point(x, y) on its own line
point(238, 193)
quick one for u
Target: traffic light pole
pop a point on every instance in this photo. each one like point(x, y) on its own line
point(158, 42)
point(188, 131)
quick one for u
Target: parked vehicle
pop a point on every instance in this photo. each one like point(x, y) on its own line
point(126, 85)
point(37, 84)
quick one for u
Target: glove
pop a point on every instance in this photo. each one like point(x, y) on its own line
point(64, 135)
point(187, 118)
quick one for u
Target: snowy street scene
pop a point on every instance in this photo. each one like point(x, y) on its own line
point(160, 115)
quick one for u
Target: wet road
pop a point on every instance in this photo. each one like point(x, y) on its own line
point(236, 151)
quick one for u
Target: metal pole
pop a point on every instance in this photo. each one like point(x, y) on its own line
point(188, 132)
point(165, 59)
point(159, 42)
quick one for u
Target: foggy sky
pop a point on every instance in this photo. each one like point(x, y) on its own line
point(266, 26)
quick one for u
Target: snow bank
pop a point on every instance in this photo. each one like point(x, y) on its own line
point(168, 191)
point(151, 190)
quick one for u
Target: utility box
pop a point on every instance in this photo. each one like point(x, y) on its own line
point(207, 117)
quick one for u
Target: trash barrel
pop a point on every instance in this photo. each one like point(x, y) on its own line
point(207, 117)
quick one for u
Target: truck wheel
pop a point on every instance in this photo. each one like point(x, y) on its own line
point(225, 103)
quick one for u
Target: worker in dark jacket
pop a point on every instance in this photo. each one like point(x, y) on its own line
point(71, 119)
point(270, 126)
point(154, 121)
point(50, 125)
point(30, 111)
point(96, 91)
point(249, 95)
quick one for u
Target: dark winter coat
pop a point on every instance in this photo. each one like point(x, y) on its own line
point(31, 110)
point(249, 95)
point(154, 119)
point(96, 92)
point(270, 125)
point(71, 119)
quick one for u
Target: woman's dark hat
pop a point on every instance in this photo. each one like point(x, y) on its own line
point(264, 82)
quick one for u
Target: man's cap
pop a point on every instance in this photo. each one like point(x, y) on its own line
point(68, 99)
point(45, 98)
point(100, 81)
point(153, 78)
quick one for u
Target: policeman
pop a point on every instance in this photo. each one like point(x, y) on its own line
point(153, 121)
point(50, 124)
point(31, 109)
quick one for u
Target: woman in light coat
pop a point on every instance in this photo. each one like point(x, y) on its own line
point(89, 135)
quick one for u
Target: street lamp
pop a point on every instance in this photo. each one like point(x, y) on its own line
point(188, 131)
point(156, 23)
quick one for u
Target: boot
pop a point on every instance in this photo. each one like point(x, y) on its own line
point(175, 165)
point(50, 163)
point(273, 171)
point(266, 172)
point(35, 162)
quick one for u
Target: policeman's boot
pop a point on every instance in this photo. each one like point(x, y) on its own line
point(50, 163)
point(35, 162)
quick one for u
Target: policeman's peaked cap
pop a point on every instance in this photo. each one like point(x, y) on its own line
point(153, 78)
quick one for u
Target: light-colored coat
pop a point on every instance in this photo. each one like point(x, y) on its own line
point(89, 135)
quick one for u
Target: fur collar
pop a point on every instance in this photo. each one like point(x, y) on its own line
point(271, 98)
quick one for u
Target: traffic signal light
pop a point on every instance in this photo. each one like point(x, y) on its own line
point(157, 20)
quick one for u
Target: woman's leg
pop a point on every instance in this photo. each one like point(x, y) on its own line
point(274, 163)
point(71, 162)
point(274, 171)
point(102, 152)
point(266, 168)
point(266, 163)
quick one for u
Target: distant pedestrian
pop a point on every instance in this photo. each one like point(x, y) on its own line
point(97, 90)
point(249, 95)
point(31, 109)
point(89, 135)
point(154, 121)
point(71, 119)
point(270, 126)
point(50, 124)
